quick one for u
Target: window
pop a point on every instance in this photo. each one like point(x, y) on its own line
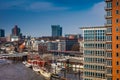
point(117, 54)
point(117, 29)
point(109, 13)
point(109, 30)
point(117, 11)
point(117, 46)
point(109, 4)
point(117, 3)
point(109, 54)
point(117, 79)
point(116, 37)
point(117, 71)
point(109, 71)
point(109, 21)
point(109, 46)
point(109, 78)
point(109, 38)
point(117, 20)
point(109, 62)
point(117, 63)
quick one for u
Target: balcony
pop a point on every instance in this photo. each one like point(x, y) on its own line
point(108, 25)
point(108, 0)
point(109, 33)
point(108, 16)
point(108, 8)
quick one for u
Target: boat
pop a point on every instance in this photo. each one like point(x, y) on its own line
point(36, 68)
point(56, 68)
point(45, 73)
point(24, 62)
point(28, 65)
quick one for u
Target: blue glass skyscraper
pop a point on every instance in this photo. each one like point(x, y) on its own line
point(2, 33)
point(56, 30)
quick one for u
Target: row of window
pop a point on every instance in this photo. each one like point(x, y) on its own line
point(109, 21)
point(93, 45)
point(109, 13)
point(94, 67)
point(108, 38)
point(94, 74)
point(94, 60)
point(100, 53)
point(93, 31)
point(99, 46)
point(109, 4)
point(94, 53)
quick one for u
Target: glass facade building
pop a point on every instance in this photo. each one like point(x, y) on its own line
point(56, 30)
point(2, 33)
point(94, 52)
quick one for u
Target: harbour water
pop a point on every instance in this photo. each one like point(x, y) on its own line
point(17, 71)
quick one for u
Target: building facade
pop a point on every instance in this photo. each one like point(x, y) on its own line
point(56, 30)
point(94, 48)
point(112, 17)
point(2, 33)
point(16, 31)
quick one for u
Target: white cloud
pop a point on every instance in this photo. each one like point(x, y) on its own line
point(45, 6)
point(87, 18)
point(11, 5)
point(35, 6)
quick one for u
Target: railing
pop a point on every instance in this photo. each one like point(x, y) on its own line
point(108, 0)
point(106, 24)
point(107, 8)
point(108, 16)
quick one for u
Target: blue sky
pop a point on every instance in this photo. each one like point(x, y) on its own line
point(35, 17)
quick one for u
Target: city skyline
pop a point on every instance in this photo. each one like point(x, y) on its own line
point(36, 17)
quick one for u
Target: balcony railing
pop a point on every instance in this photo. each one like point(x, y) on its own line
point(108, 0)
point(108, 8)
point(106, 24)
point(108, 16)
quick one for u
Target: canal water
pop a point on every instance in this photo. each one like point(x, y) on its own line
point(17, 71)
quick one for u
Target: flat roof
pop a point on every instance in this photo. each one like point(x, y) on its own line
point(92, 27)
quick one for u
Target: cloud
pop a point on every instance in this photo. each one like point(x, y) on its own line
point(29, 5)
point(45, 6)
point(11, 5)
point(98, 8)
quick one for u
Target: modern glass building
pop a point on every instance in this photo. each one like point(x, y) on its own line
point(16, 31)
point(2, 33)
point(56, 30)
point(94, 53)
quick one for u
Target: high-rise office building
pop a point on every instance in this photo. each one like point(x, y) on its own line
point(112, 17)
point(94, 41)
point(103, 64)
point(16, 31)
point(2, 33)
point(56, 30)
